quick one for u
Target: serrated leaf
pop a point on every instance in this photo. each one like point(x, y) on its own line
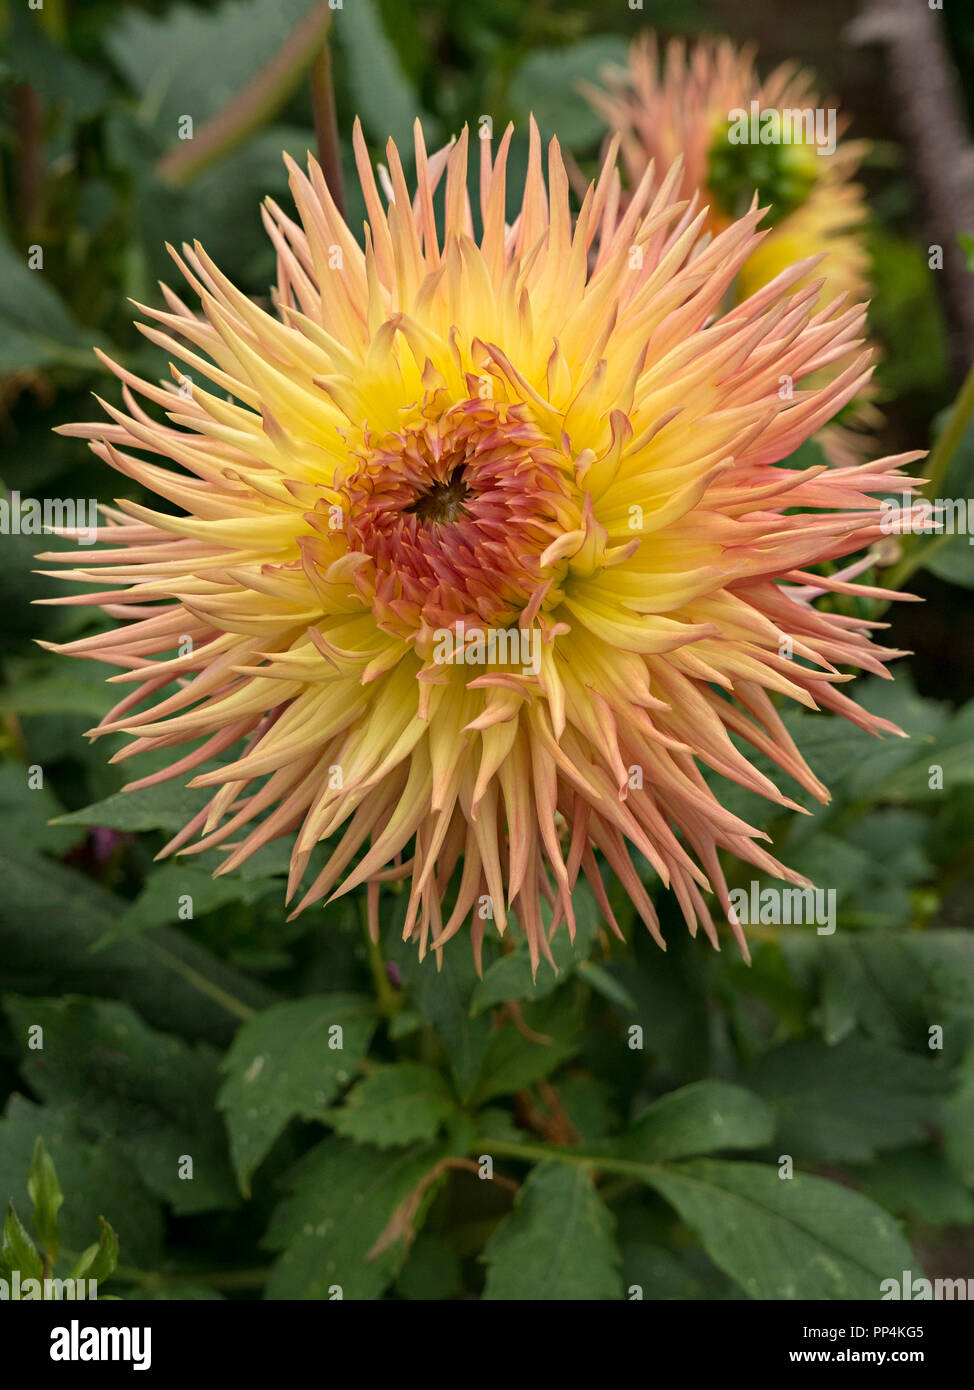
point(286, 1063)
point(395, 1104)
point(558, 1242)
point(786, 1238)
point(850, 1101)
point(343, 1197)
point(890, 984)
point(47, 1198)
point(701, 1118)
point(149, 1093)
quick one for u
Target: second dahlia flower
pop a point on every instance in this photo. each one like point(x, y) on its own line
point(682, 105)
point(482, 546)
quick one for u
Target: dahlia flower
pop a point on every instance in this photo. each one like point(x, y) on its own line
point(432, 459)
point(681, 108)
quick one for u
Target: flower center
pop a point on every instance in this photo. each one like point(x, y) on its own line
point(782, 173)
point(442, 502)
point(454, 512)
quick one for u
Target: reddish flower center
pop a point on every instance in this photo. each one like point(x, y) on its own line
point(454, 513)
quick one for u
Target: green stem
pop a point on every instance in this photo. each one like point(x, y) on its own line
point(218, 1279)
point(939, 461)
point(388, 1000)
point(540, 1153)
point(199, 982)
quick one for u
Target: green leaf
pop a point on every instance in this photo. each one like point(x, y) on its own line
point(91, 1168)
point(395, 1104)
point(36, 328)
point(292, 1059)
point(192, 62)
point(17, 1249)
point(98, 1262)
point(150, 1094)
point(30, 808)
point(382, 94)
point(919, 1182)
point(47, 1197)
point(513, 1060)
point(59, 78)
point(178, 889)
point(174, 983)
point(60, 691)
point(166, 806)
point(343, 1197)
point(959, 1123)
point(890, 984)
point(587, 1101)
point(907, 314)
point(432, 1271)
point(848, 1101)
point(786, 1238)
point(547, 85)
point(672, 1004)
point(557, 1243)
point(951, 749)
point(701, 1118)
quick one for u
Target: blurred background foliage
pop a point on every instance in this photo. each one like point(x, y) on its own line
point(205, 1036)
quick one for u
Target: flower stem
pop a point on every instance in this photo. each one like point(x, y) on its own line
point(386, 997)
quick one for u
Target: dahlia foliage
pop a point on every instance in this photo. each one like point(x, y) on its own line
point(480, 545)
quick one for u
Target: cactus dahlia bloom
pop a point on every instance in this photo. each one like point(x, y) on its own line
point(483, 545)
point(683, 107)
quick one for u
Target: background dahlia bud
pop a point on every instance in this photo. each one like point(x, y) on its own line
point(563, 459)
